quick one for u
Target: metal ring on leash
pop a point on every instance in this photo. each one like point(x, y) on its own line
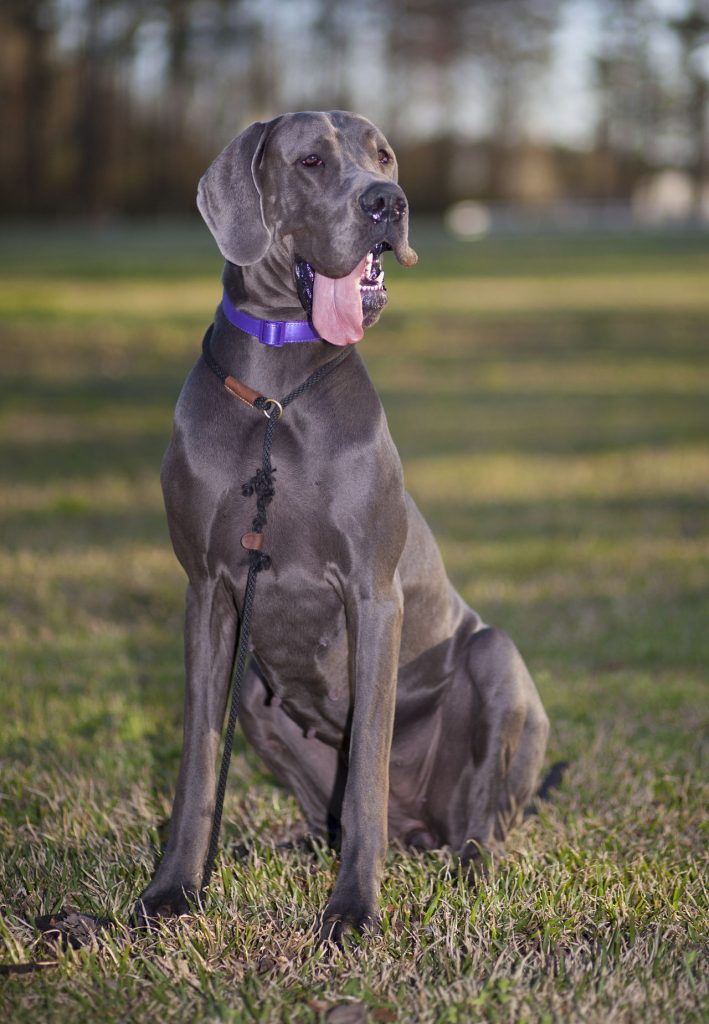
point(272, 409)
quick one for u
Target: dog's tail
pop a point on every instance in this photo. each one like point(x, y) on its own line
point(551, 781)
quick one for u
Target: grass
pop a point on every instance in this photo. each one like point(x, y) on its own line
point(549, 398)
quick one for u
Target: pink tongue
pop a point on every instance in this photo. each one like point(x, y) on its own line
point(337, 307)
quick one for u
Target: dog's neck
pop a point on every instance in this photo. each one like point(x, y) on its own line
point(266, 290)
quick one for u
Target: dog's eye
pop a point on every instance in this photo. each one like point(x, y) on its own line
point(312, 161)
point(384, 157)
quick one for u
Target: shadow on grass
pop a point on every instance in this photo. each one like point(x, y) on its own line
point(68, 528)
point(67, 525)
point(571, 519)
point(556, 424)
point(465, 338)
point(424, 426)
point(111, 695)
point(46, 461)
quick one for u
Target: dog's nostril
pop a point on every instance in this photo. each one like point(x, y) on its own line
point(375, 206)
point(383, 204)
point(398, 209)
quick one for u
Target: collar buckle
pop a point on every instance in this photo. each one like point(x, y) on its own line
point(271, 333)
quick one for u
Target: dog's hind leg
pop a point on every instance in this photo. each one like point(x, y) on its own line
point(507, 734)
point(210, 638)
point(313, 771)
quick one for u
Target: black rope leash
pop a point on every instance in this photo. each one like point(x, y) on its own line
point(71, 927)
point(262, 485)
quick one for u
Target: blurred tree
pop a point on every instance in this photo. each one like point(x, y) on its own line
point(475, 51)
point(693, 33)
point(652, 109)
point(26, 87)
point(117, 105)
point(331, 29)
point(628, 104)
point(109, 29)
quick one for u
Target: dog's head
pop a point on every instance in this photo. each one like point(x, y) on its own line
point(320, 189)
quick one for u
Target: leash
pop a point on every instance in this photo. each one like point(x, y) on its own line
point(69, 925)
point(262, 485)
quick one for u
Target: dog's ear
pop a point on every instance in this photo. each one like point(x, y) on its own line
point(229, 198)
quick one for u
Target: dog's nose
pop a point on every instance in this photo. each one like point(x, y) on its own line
point(383, 201)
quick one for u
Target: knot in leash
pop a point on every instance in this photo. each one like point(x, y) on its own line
point(263, 486)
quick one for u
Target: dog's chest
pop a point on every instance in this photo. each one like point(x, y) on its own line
point(299, 635)
point(337, 497)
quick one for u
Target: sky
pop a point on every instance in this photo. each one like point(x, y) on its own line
point(564, 107)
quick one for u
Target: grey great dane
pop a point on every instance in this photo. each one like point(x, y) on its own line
point(375, 693)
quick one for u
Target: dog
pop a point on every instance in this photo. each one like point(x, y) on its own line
point(374, 693)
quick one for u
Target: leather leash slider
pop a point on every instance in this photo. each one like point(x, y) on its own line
point(270, 407)
point(241, 391)
point(252, 541)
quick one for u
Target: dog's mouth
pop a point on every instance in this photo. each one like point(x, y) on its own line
point(372, 280)
point(341, 307)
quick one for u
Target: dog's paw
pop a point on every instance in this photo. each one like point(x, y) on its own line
point(166, 903)
point(338, 920)
point(476, 862)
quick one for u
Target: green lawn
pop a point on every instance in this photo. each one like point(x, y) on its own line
point(550, 398)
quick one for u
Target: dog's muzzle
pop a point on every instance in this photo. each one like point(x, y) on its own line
point(371, 284)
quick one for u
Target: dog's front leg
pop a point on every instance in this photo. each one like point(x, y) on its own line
point(210, 636)
point(374, 632)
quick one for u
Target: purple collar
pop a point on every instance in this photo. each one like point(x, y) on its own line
point(269, 332)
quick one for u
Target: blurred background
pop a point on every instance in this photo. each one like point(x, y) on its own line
point(569, 112)
point(545, 374)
